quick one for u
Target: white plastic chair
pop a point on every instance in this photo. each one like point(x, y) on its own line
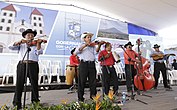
point(47, 64)
point(169, 77)
point(59, 65)
point(56, 62)
point(120, 70)
point(98, 68)
point(98, 71)
point(55, 71)
point(11, 72)
point(174, 77)
point(160, 78)
point(43, 73)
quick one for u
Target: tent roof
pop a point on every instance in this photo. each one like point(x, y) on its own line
point(151, 14)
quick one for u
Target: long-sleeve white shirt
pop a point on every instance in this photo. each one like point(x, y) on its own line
point(33, 54)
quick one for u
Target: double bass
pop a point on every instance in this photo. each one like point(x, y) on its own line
point(143, 80)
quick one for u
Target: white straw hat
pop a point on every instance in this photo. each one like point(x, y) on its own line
point(85, 34)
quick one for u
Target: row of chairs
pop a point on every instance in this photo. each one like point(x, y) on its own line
point(47, 70)
point(11, 72)
point(171, 76)
point(119, 67)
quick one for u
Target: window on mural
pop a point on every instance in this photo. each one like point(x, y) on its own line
point(40, 25)
point(1, 27)
point(9, 21)
point(3, 20)
point(8, 29)
point(4, 14)
point(40, 31)
point(10, 14)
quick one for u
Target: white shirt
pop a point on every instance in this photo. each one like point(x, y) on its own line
point(33, 54)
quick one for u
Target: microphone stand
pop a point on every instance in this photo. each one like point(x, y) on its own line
point(26, 72)
point(132, 93)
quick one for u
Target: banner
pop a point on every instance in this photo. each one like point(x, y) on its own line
point(14, 19)
point(66, 32)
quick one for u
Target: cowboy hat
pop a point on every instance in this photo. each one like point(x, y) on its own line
point(129, 43)
point(29, 31)
point(72, 51)
point(156, 46)
point(85, 34)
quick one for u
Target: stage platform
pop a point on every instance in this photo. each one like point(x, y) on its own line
point(53, 86)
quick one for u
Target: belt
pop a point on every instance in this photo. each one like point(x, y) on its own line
point(28, 61)
point(87, 61)
point(160, 62)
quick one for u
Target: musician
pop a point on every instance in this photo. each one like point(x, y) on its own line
point(74, 61)
point(174, 64)
point(109, 74)
point(87, 67)
point(159, 65)
point(33, 67)
point(130, 59)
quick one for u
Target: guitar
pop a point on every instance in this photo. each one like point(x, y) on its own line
point(160, 56)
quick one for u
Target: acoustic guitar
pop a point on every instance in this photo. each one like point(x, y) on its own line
point(160, 56)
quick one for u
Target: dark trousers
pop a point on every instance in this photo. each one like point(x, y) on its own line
point(86, 70)
point(109, 74)
point(157, 68)
point(33, 70)
point(130, 72)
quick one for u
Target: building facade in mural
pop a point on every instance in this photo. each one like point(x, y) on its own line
point(11, 29)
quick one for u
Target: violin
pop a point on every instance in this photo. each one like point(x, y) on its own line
point(97, 43)
point(33, 42)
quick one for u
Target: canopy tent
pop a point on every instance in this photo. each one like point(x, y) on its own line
point(151, 14)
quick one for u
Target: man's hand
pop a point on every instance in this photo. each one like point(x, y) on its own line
point(118, 61)
point(107, 55)
point(102, 58)
point(101, 43)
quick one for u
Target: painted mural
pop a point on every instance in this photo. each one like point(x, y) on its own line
point(14, 19)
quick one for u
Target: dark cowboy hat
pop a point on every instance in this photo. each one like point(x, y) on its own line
point(156, 46)
point(129, 43)
point(72, 51)
point(29, 31)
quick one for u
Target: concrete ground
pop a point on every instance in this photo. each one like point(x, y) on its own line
point(155, 99)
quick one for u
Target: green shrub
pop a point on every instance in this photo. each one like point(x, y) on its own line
point(105, 104)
